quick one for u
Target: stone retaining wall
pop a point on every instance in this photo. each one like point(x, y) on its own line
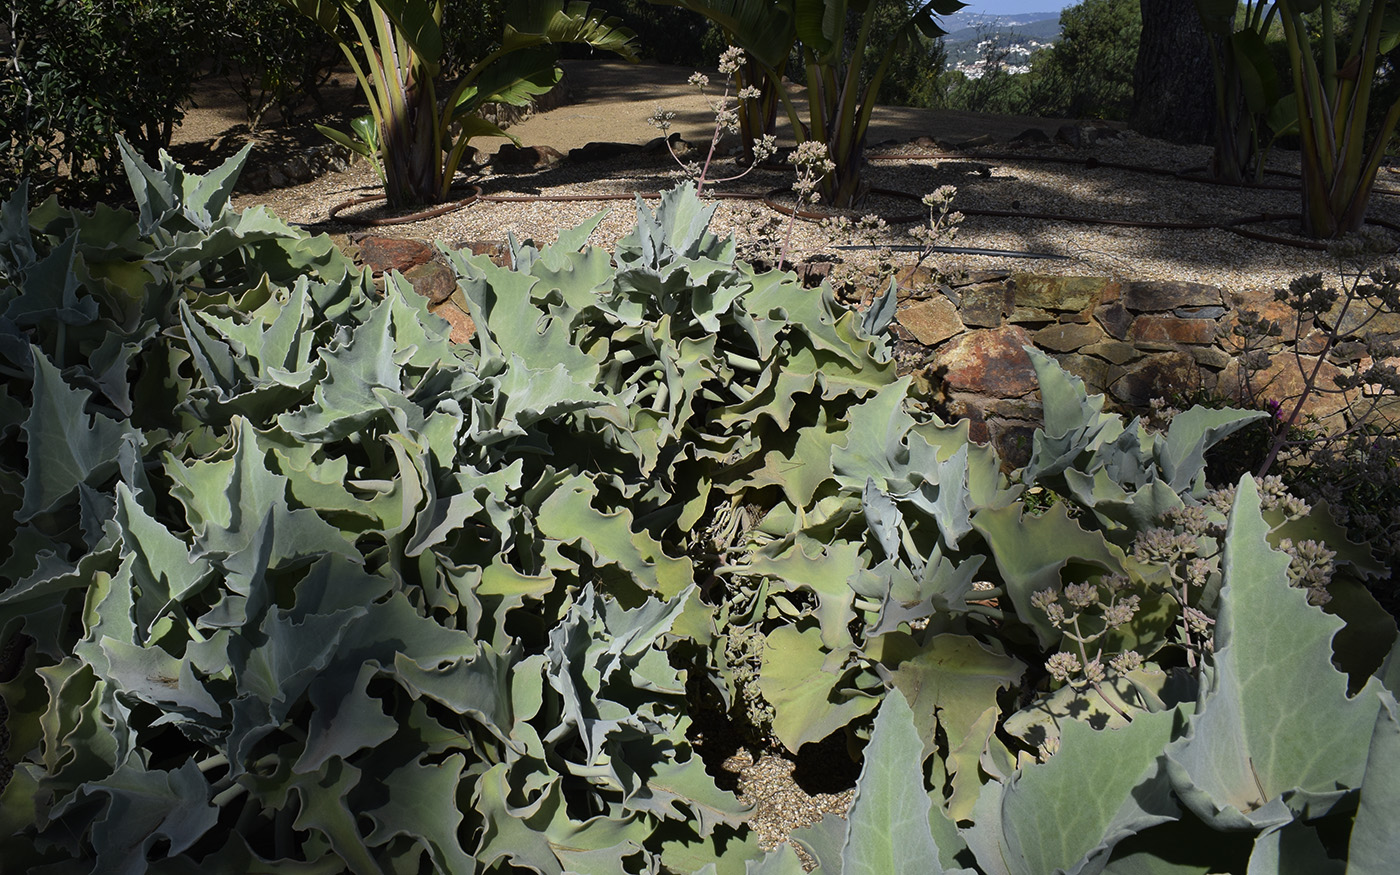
point(1131, 340)
point(965, 339)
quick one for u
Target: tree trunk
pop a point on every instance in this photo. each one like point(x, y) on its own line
point(1173, 85)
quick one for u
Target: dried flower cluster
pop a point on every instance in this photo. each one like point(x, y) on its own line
point(726, 122)
point(1086, 613)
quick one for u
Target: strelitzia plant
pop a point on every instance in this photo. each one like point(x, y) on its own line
point(840, 93)
point(416, 140)
point(1250, 105)
point(839, 98)
point(1333, 94)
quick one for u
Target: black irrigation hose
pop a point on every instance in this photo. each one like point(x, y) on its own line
point(959, 250)
point(1234, 226)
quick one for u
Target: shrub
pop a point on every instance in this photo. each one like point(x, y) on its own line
point(76, 73)
point(278, 59)
point(1088, 73)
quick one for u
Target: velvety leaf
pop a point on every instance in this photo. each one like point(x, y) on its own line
point(1031, 551)
point(951, 682)
point(1067, 814)
point(422, 805)
point(1293, 849)
point(141, 809)
point(1375, 845)
point(1074, 420)
point(808, 702)
point(66, 445)
point(889, 815)
point(568, 515)
point(227, 499)
point(1274, 731)
point(1190, 434)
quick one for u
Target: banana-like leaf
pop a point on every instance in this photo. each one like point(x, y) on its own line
point(539, 22)
point(764, 30)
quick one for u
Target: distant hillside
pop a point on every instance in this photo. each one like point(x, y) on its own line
point(1026, 33)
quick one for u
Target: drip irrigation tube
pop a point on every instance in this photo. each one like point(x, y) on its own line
point(958, 250)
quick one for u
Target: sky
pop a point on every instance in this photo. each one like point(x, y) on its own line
point(1015, 7)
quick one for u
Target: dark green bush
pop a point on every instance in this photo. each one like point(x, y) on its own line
point(1089, 71)
point(74, 74)
point(277, 58)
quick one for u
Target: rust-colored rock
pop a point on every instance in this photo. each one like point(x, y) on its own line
point(1147, 296)
point(382, 254)
point(1364, 319)
point(990, 362)
point(1096, 373)
point(931, 321)
point(1115, 319)
point(978, 277)
point(496, 250)
point(511, 158)
point(984, 306)
point(591, 152)
point(434, 281)
point(1032, 316)
point(1115, 351)
point(1168, 332)
point(1262, 303)
point(1283, 381)
point(454, 311)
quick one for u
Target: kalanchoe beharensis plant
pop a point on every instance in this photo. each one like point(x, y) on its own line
point(304, 586)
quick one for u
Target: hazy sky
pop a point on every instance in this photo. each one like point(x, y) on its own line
point(1015, 7)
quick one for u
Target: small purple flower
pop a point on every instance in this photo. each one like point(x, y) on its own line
point(1275, 408)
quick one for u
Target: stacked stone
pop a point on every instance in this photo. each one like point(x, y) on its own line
point(1131, 340)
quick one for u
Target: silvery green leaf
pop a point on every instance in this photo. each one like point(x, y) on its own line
point(227, 500)
point(143, 810)
point(1068, 813)
point(1074, 421)
point(421, 804)
point(1031, 551)
point(568, 515)
point(1375, 845)
point(880, 313)
point(949, 681)
point(575, 238)
point(889, 817)
point(1293, 849)
point(1191, 433)
point(65, 445)
point(50, 290)
point(810, 701)
point(882, 517)
point(16, 240)
point(1275, 735)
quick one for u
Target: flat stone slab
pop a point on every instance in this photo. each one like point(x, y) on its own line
point(1062, 293)
point(1159, 296)
point(931, 321)
point(1168, 332)
point(1068, 337)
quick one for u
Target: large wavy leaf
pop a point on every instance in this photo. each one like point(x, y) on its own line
point(1275, 735)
